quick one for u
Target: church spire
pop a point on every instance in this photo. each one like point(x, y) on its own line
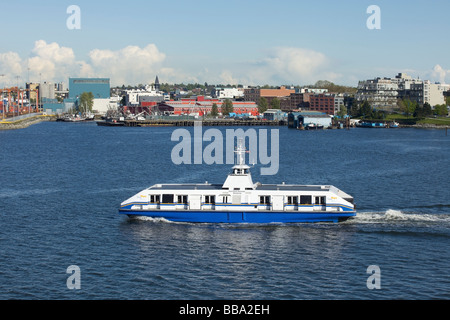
point(157, 84)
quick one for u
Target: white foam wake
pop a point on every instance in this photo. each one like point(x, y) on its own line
point(392, 215)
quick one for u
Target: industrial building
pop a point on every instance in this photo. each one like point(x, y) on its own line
point(100, 87)
point(297, 120)
point(274, 115)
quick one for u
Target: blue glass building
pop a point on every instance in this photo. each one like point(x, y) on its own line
point(100, 87)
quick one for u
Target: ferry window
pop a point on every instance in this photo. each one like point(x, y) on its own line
point(225, 200)
point(210, 199)
point(182, 199)
point(154, 199)
point(320, 200)
point(264, 200)
point(305, 199)
point(292, 200)
point(167, 198)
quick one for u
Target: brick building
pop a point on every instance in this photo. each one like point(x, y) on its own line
point(282, 94)
point(323, 102)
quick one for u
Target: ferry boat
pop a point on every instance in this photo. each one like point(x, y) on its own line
point(239, 200)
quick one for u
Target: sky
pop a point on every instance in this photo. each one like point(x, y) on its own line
point(248, 42)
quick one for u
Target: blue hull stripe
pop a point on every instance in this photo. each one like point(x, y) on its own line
point(344, 208)
point(242, 217)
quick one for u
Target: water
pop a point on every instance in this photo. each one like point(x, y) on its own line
point(61, 185)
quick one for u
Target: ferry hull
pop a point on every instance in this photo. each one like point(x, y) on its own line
point(243, 217)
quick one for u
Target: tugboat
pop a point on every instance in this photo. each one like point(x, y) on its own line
point(239, 200)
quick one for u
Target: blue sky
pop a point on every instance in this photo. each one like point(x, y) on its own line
point(247, 42)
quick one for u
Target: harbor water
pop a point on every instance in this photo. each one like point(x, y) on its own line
point(61, 185)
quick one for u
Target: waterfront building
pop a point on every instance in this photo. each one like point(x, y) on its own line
point(201, 106)
point(228, 93)
point(300, 100)
point(282, 93)
point(298, 120)
point(100, 87)
point(274, 114)
point(47, 90)
point(383, 94)
point(134, 96)
point(31, 90)
point(329, 103)
point(101, 106)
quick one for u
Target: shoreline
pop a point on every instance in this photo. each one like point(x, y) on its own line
point(24, 123)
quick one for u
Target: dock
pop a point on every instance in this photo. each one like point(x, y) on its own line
point(206, 123)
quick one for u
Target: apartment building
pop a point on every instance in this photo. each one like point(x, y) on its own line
point(383, 93)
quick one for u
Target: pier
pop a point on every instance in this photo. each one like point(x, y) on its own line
point(208, 122)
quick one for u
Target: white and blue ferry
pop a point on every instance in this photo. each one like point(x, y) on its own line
point(239, 200)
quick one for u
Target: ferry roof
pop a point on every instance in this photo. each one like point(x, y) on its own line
point(259, 187)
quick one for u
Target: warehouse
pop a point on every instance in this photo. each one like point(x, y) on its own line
point(304, 119)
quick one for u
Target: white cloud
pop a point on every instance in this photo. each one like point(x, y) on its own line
point(439, 74)
point(284, 65)
point(130, 65)
point(227, 78)
point(10, 68)
point(50, 61)
point(53, 63)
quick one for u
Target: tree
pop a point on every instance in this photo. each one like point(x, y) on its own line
point(275, 103)
point(354, 110)
point(262, 105)
point(423, 111)
point(408, 107)
point(427, 111)
point(342, 112)
point(86, 101)
point(214, 110)
point(440, 110)
point(366, 110)
point(401, 105)
point(227, 107)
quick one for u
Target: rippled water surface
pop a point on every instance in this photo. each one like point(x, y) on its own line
point(61, 185)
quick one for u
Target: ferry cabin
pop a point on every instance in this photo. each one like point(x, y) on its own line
point(211, 197)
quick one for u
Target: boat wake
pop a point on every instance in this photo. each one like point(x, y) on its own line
point(150, 219)
point(392, 215)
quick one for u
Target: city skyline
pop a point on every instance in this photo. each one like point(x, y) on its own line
point(249, 43)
